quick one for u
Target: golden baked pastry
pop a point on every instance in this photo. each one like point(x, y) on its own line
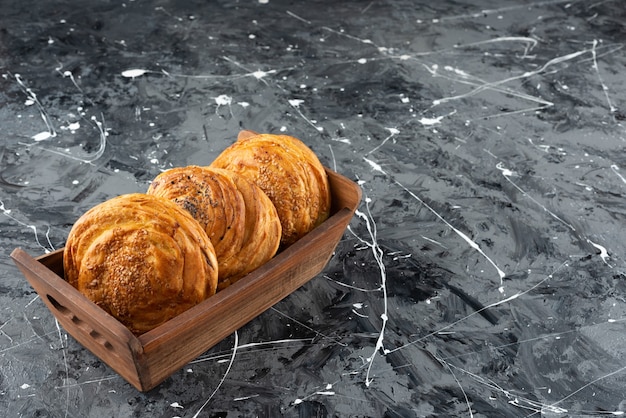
point(288, 172)
point(238, 217)
point(262, 232)
point(141, 258)
point(211, 198)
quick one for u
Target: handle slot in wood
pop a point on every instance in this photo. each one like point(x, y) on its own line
point(80, 323)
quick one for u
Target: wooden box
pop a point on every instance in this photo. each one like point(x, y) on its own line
point(147, 360)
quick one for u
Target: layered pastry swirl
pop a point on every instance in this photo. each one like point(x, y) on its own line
point(141, 258)
point(289, 173)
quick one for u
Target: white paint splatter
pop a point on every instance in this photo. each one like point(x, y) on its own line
point(32, 97)
point(604, 254)
point(431, 121)
point(481, 85)
point(137, 72)
point(72, 127)
point(259, 74)
point(42, 136)
point(223, 100)
point(375, 166)
point(508, 173)
point(605, 88)
point(393, 132)
point(461, 234)
point(505, 171)
point(344, 140)
point(377, 253)
point(176, 405)
point(232, 360)
point(484, 308)
point(615, 169)
point(296, 105)
point(457, 71)
point(69, 75)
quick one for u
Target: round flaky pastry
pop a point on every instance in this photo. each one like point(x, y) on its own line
point(237, 215)
point(141, 258)
point(211, 198)
point(288, 172)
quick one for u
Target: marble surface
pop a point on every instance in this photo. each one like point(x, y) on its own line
point(484, 272)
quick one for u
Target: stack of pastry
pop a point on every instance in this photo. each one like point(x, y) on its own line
point(145, 258)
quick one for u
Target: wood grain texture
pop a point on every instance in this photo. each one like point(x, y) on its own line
point(147, 360)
